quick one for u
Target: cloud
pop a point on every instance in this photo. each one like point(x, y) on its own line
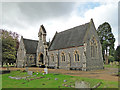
point(23, 13)
point(26, 17)
point(105, 13)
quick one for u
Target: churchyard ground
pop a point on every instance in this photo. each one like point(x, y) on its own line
point(108, 77)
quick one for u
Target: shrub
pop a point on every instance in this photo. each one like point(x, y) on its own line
point(18, 70)
point(24, 71)
point(111, 58)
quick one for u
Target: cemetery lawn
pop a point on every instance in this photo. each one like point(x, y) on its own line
point(48, 81)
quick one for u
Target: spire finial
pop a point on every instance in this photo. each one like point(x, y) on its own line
point(91, 20)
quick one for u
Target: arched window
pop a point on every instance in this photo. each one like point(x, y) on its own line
point(31, 58)
point(63, 57)
point(93, 47)
point(76, 56)
point(52, 57)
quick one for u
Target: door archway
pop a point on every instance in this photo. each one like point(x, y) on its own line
point(41, 58)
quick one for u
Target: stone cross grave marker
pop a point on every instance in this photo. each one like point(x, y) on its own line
point(30, 72)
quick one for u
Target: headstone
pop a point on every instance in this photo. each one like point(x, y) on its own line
point(9, 76)
point(56, 78)
point(46, 70)
point(110, 63)
point(30, 72)
point(63, 85)
point(17, 78)
point(114, 63)
point(15, 64)
point(69, 85)
point(117, 63)
point(82, 84)
point(48, 78)
point(65, 80)
point(66, 85)
point(13, 77)
point(27, 77)
point(26, 68)
point(23, 77)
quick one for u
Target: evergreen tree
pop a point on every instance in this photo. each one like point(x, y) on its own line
point(117, 54)
point(107, 40)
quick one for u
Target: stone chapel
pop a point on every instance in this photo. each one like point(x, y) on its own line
point(77, 48)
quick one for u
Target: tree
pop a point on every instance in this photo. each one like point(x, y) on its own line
point(9, 46)
point(107, 40)
point(117, 54)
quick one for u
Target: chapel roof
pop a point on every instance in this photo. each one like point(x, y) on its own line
point(69, 38)
point(30, 46)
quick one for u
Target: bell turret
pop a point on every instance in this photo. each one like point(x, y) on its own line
point(42, 34)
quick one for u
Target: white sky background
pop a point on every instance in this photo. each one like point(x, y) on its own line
point(25, 18)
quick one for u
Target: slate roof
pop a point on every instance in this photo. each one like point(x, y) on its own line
point(30, 46)
point(69, 38)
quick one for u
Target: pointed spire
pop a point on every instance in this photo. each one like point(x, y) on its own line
point(91, 20)
point(21, 37)
point(49, 39)
point(56, 32)
point(43, 28)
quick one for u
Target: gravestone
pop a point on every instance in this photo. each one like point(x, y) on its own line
point(82, 84)
point(56, 78)
point(17, 78)
point(65, 80)
point(26, 69)
point(111, 63)
point(14, 64)
point(30, 72)
point(117, 63)
point(114, 63)
point(48, 78)
point(46, 70)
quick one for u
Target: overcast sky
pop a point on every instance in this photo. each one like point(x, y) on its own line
point(25, 18)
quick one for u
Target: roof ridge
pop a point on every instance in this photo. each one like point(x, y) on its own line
point(30, 39)
point(73, 27)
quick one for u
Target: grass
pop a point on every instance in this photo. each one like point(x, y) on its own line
point(111, 66)
point(52, 83)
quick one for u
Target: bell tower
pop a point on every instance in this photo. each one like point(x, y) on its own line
point(42, 48)
point(42, 34)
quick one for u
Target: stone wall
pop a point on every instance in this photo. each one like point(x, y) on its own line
point(69, 58)
point(31, 59)
point(21, 54)
point(87, 61)
point(93, 63)
point(40, 50)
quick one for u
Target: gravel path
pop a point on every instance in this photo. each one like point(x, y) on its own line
point(106, 74)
